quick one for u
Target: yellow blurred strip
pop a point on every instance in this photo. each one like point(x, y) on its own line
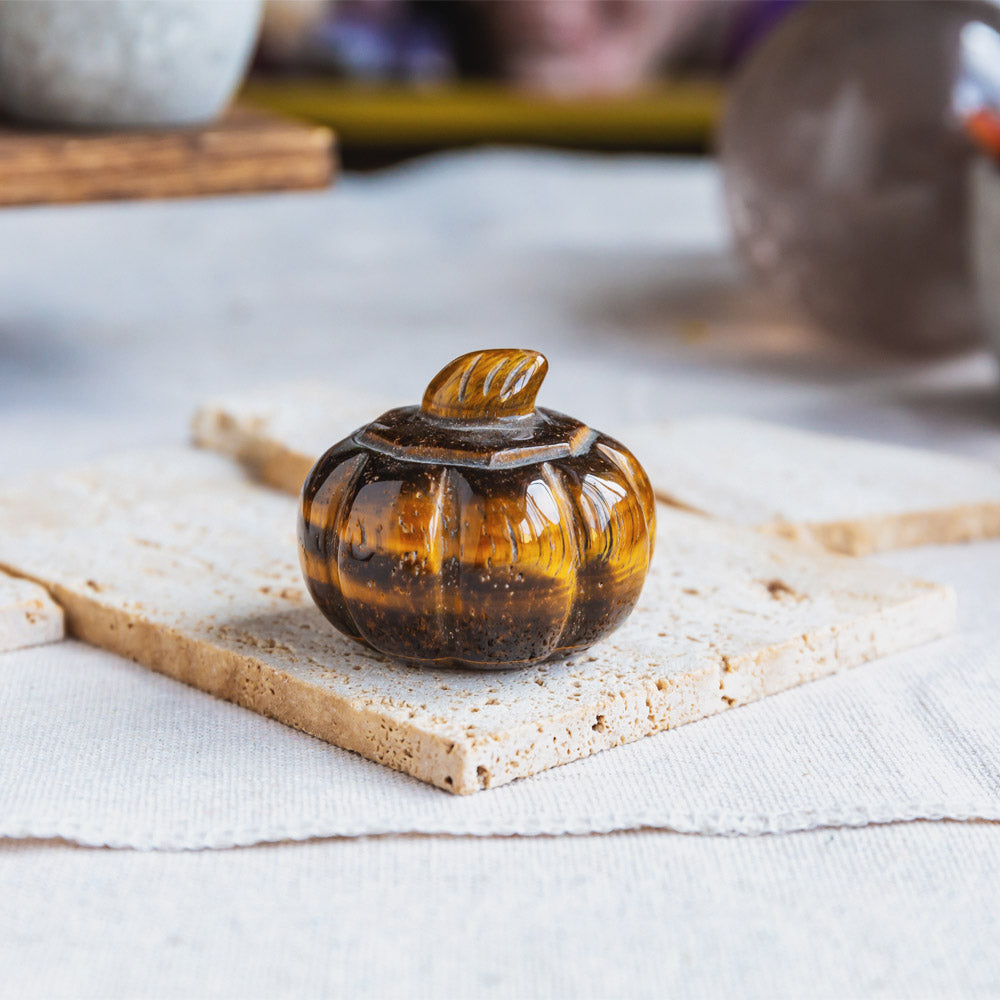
point(679, 113)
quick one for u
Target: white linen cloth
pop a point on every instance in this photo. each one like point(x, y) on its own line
point(885, 911)
point(125, 317)
point(100, 751)
point(118, 320)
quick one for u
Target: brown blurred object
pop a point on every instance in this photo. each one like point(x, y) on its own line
point(400, 78)
point(587, 46)
point(287, 25)
point(579, 48)
point(246, 150)
point(846, 170)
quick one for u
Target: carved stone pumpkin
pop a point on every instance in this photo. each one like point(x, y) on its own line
point(475, 529)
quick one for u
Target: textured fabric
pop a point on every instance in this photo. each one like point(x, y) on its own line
point(97, 750)
point(118, 320)
point(900, 911)
point(618, 270)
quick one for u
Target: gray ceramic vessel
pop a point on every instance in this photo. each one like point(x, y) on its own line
point(123, 63)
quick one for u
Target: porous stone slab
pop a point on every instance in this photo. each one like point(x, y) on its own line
point(175, 559)
point(844, 494)
point(277, 432)
point(28, 616)
point(847, 495)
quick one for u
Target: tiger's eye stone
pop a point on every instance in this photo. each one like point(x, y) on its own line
point(477, 529)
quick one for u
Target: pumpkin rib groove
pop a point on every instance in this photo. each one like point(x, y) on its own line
point(347, 497)
point(556, 482)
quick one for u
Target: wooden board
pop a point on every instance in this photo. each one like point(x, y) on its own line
point(174, 559)
point(247, 150)
point(846, 495)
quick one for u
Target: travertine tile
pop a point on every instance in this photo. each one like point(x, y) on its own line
point(847, 495)
point(28, 616)
point(174, 559)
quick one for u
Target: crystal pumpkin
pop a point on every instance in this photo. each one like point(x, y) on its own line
point(477, 529)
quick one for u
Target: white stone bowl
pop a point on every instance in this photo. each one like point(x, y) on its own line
point(123, 63)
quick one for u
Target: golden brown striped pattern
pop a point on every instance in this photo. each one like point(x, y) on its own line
point(466, 563)
point(486, 385)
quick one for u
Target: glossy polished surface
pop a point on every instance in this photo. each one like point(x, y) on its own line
point(477, 529)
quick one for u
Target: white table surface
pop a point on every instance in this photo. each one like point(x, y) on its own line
point(117, 320)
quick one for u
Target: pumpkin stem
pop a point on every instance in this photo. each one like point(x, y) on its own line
point(487, 385)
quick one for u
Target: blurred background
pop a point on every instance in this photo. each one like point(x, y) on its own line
point(846, 141)
point(400, 77)
point(759, 205)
